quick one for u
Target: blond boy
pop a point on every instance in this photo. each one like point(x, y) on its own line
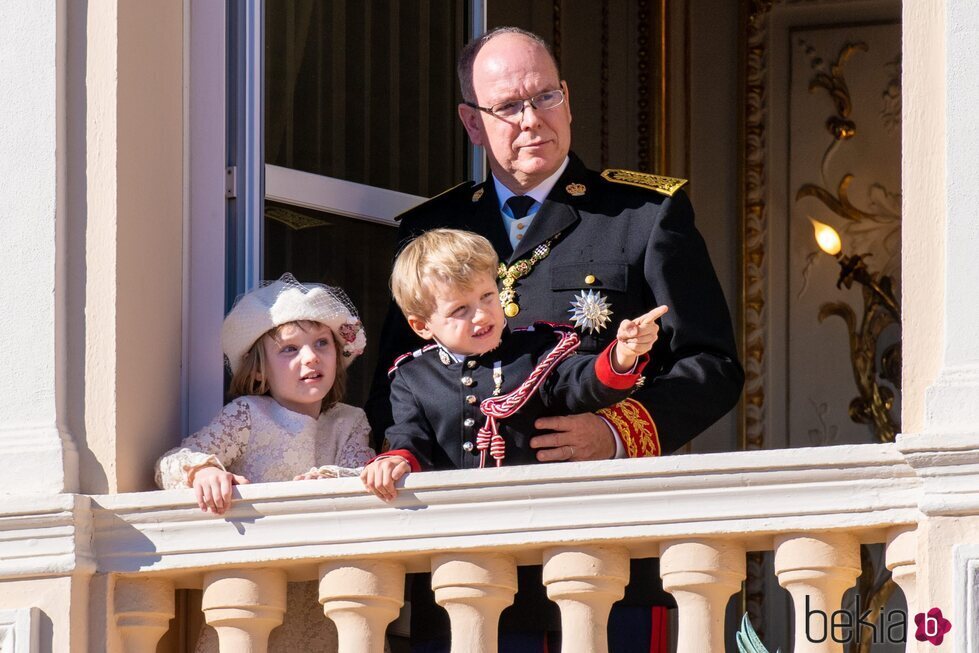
point(444, 282)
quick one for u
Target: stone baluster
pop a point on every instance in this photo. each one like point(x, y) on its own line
point(362, 597)
point(143, 609)
point(585, 581)
point(702, 575)
point(243, 606)
point(816, 570)
point(901, 558)
point(474, 589)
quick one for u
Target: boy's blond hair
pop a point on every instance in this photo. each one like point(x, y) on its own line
point(448, 256)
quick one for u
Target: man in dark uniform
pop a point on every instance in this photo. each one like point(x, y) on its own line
point(585, 248)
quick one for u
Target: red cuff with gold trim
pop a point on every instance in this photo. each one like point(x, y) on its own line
point(608, 376)
point(401, 453)
point(635, 426)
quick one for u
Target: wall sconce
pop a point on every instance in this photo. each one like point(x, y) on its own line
point(880, 310)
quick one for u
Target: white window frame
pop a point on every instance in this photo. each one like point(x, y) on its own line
point(206, 79)
point(338, 196)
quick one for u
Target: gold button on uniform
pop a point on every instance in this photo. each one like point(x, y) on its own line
point(471, 364)
point(471, 400)
point(520, 225)
point(467, 381)
point(590, 279)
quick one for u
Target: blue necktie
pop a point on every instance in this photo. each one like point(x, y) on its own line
point(520, 205)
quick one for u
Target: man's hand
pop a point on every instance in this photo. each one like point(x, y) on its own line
point(380, 476)
point(635, 338)
point(575, 437)
point(213, 488)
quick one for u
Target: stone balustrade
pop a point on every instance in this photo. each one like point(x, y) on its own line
point(583, 522)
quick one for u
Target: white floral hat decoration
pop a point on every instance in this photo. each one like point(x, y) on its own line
point(275, 303)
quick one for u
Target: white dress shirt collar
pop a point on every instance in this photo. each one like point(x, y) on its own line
point(538, 192)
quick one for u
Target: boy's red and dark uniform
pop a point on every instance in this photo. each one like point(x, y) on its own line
point(435, 401)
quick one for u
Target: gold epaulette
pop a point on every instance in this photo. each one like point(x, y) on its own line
point(663, 185)
point(398, 217)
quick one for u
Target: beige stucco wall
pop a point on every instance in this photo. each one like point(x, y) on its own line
point(62, 602)
point(130, 254)
point(924, 207)
point(937, 539)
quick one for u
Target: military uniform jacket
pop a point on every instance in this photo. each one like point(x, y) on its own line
point(638, 248)
point(435, 400)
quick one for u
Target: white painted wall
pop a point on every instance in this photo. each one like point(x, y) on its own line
point(952, 400)
point(32, 217)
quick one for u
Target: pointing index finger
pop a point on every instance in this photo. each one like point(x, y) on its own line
point(654, 314)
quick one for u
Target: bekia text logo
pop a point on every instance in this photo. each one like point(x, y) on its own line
point(845, 626)
point(932, 626)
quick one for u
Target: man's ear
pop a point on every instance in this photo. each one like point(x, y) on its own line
point(472, 121)
point(567, 98)
point(420, 326)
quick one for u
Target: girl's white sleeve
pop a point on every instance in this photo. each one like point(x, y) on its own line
point(354, 449)
point(218, 444)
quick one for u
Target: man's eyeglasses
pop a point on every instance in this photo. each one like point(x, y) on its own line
point(514, 108)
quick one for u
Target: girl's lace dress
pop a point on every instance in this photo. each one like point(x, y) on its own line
point(262, 441)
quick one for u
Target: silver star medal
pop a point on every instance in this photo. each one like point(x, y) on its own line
point(590, 310)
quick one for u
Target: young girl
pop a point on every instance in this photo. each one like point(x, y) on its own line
point(288, 345)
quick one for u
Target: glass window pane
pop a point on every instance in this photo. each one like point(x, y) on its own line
point(353, 254)
point(365, 91)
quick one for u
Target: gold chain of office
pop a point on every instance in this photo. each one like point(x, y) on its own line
point(510, 275)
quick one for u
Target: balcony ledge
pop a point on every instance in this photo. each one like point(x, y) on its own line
point(637, 503)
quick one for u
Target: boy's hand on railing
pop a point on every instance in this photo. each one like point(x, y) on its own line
point(635, 338)
point(213, 488)
point(380, 476)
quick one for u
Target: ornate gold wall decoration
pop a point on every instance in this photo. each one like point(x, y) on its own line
point(834, 83)
point(875, 372)
point(754, 225)
point(767, 26)
point(890, 112)
point(875, 401)
point(754, 220)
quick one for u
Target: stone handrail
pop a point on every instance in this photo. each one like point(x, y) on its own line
point(699, 514)
point(753, 496)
